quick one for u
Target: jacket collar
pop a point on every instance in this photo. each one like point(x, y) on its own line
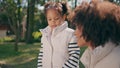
point(47, 30)
point(91, 57)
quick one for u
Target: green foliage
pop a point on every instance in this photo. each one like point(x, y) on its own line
point(1, 40)
point(41, 2)
point(36, 38)
point(43, 21)
point(37, 25)
point(36, 35)
point(7, 39)
point(11, 14)
point(40, 21)
point(3, 18)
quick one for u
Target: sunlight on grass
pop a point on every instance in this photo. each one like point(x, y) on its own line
point(30, 49)
point(2, 62)
point(25, 58)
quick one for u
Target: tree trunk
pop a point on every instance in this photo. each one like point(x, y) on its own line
point(18, 34)
point(30, 21)
point(75, 3)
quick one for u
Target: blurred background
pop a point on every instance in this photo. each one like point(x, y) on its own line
point(20, 21)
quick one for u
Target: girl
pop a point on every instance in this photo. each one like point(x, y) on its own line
point(58, 49)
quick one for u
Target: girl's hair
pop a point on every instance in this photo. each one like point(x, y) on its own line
point(61, 7)
point(100, 22)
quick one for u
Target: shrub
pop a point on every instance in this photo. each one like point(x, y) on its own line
point(36, 35)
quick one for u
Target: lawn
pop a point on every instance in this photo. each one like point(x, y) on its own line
point(26, 57)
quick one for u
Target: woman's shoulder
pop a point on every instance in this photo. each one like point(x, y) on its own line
point(115, 54)
point(116, 50)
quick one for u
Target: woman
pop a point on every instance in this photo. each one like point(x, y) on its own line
point(98, 28)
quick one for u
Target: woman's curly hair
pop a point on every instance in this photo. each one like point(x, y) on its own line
point(100, 22)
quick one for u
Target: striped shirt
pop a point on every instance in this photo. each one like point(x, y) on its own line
point(72, 62)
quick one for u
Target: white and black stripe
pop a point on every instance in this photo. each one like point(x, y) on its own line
point(74, 53)
point(40, 56)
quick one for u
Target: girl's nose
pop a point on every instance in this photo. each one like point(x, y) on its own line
point(53, 21)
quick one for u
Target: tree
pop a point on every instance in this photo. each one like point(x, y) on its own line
point(18, 32)
point(12, 10)
point(30, 21)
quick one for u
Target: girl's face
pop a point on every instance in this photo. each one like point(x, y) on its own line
point(80, 40)
point(54, 18)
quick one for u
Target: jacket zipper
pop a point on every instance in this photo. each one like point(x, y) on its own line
point(51, 55)
point(52, 52)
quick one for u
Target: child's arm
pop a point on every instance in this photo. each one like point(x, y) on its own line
point(74, 55)
point(39, 65)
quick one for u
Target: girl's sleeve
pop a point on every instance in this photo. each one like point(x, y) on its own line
point(39, 65)
point(74, 55)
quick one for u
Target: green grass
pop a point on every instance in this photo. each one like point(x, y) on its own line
point(82, 49)
point(26, 57)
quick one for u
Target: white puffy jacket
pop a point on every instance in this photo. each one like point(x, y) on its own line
point(102, 57)
point(58, 50)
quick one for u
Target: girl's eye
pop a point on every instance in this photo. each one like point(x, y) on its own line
point(49, 19)
point(56, 18)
